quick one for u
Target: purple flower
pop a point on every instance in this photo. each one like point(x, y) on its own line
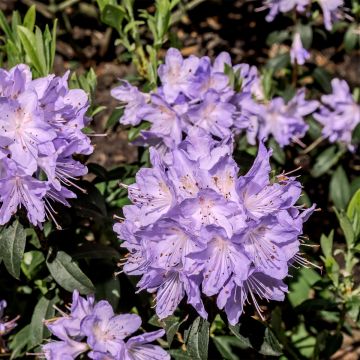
point(339, 114)
point(194, 95)
point(298, 54)
point(5, 325)
point(138, 347)
point(284, 6)
point(331, 11)
point(178, 75)
point(41, 124)
point(106, 331)
point(215, 233)
point(284, 121)
point(95, 329)
point(67, 349)
point(136, 103)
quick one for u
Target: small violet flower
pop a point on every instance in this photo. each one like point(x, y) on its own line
point(93, 328)
point(283, 6)
point(339, 114)
point(5, 325)
point(298, 54)
point(332, 11)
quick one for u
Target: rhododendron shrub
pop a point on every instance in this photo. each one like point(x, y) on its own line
point(189, 191)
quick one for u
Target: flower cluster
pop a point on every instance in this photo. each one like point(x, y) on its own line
point(41, 124)
point(284, 121)
point(193, 94)
point(340, 114)
point(5, 325)
point(283, 6)
point(94, 328)
point(197, 95)
point(196, 227)
point(332, 9)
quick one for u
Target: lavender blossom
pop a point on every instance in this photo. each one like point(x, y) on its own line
point(219, 99)
point(298, 54)
point(5, 325)
point(193, 94)
point(95, 329)
point(284, 121)
point(331, 11)
point(283, 6)
point(41, 124)
point(196, 228)
point(339, 114)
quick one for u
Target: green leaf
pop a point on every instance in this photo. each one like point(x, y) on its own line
point(256, 335)
point(40, 50)
point(109, 290)
point(306, 35)
point(301, 288)
point(353, 212)
point(12, 246)
point(340, 188)
point(29, 42)
point(326, 243)
point(179, 354)
point(5, 26)
point(354, 206)
point(31, 263)
point(326, 160)
point(135, 131)
point(346, 227)
point(278, 153)
point(43, 310)
point(278, 62)
point(113, 16)
point(19, 342)
point(323, 78)
point(30, 17)
point(197, 339)
point(277, 37)
point(172, 325)
point(67, 274)
point(351, 37)
point(114, 118)
point(224, 345)
point(53, 44)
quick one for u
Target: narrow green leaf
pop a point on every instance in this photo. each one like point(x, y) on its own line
point(28, 40)
point(5, 26)
point(340, 188)
point(67, 274)
point(354, 206)
point(326, 160)
point(224, 345)
point(30, 17)
point(40, 50)
point(353, 213)
point(197, 339)
point(12, 246)
point(53, 44)
point(43, 310)
point(346, 227)
point(19, 342)
point(326, 243)
point(306, 35)
point(265, 343)
point(351, 37)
